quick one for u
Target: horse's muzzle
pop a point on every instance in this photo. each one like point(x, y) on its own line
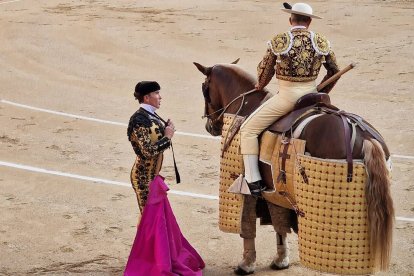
point(213, 129)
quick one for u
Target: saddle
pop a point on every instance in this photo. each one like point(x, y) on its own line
point(317, 103)
point(302, 107)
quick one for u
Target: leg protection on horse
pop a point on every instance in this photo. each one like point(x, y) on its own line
point(247, 264)
point(283, 219)
point(248, 222)
point(262, 212)
point(281, 261)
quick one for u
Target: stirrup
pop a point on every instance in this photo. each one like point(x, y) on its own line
point(256, 188)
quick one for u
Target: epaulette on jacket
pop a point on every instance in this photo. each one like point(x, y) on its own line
point(320, 44)
point(138, 119)
point(282, 43)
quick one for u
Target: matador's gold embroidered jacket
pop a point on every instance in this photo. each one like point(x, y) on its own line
point(297, 56)
point(146, 134)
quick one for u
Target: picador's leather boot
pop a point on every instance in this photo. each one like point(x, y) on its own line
point(281, 261)
point(247, 264)
point(252, 174)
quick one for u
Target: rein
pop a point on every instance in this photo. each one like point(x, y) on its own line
point(223, 109)
point(227, 139)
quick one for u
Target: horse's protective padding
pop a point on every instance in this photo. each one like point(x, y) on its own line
point(270, 151)
point(231, 165)
point(333, 234)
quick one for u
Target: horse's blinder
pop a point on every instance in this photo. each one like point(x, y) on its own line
point(206, 94)
point(205, 89)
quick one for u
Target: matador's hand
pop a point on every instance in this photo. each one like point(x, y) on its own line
point(169, 129)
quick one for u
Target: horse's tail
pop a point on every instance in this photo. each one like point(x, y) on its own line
point(379, 204)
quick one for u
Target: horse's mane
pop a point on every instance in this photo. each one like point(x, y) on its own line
point(231, 80)
point(237, 78)
point(238, 71)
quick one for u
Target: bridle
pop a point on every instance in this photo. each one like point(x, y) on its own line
point(222, 110)
point(207, 99)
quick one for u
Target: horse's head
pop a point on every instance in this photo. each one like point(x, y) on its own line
point(213, 100)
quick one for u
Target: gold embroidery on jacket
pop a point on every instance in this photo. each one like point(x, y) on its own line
point(299, 56)
point(280, 43)
point(148, 143)
point(321, 44)
point(265, 69)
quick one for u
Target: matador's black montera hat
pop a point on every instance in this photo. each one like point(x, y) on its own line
point(145, 87)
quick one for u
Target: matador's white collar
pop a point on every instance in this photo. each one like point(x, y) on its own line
point(151, 109)
point(298, 27)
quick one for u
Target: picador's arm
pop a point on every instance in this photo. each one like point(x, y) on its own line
point(265, 70)
point(331, 69)
point(147, 148)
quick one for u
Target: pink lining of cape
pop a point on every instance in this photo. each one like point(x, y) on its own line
point(160, 248)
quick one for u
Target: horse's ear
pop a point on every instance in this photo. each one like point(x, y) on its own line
point(235, 62)
point(205, 70)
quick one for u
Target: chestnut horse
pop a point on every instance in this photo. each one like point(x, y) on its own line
point(324, 138)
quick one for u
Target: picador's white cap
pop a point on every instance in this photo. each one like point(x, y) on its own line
point(300, 8)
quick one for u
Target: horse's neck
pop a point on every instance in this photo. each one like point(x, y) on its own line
point(241, 83)
point(251, 102)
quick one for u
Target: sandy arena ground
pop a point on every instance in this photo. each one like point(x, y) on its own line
point(84, 58)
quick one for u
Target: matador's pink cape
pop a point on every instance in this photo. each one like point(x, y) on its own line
point(160, 248)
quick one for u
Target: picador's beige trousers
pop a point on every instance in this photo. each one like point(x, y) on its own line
point(270, 111)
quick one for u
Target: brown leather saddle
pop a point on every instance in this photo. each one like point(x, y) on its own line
point(317, 103)
point(302, 107)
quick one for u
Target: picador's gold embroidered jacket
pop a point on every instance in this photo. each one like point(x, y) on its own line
point(146, 134)
point(297, 56)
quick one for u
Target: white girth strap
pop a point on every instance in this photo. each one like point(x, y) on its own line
point(298, 131)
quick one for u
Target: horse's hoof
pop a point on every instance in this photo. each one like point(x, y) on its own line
point(276, 267)
point(240, 271)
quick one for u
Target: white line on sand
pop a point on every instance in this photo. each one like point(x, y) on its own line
point(404, 219)
point(9, 2)
point(93, 179)
point(97, 120)
point(124, 125)
point(111, 182)
point(402, 156)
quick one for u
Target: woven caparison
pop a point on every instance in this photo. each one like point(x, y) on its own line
point(333, 234)
point(231, 165)
point(271, 148)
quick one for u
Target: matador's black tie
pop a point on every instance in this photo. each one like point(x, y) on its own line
point(177, 174)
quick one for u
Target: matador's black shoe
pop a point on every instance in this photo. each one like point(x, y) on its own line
point(256, 188)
